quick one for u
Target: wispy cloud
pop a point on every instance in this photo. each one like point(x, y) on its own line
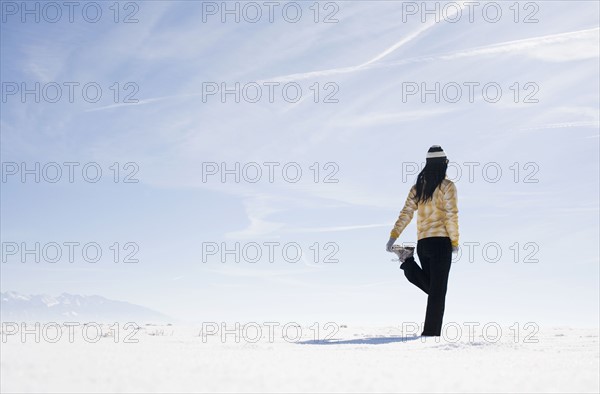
point(334, 229)
point(568, 46)
point(592, 124)
point(530, 46)
point(258, 208)
point(141, 102)
point(382, 118)
point(386, 52)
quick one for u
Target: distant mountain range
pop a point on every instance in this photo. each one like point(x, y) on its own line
point(72, 307)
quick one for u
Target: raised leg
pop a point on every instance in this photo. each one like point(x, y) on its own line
point(415, 274)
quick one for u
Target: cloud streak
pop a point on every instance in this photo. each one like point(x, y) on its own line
point(494, 49)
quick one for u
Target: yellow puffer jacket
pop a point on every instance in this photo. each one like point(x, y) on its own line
point(437, 217)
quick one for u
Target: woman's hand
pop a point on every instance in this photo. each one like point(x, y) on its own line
point(388, 246)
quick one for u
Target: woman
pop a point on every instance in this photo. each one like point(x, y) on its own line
point(434, 197)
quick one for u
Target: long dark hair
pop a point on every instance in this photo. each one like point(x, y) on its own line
point(430, 178)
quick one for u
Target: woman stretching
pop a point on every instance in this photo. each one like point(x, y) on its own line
point(434, 197)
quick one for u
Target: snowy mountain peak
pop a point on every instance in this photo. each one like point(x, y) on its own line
point(19, 307)
point(13, 295)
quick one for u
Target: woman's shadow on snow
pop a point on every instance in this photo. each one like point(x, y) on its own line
point(360, 341)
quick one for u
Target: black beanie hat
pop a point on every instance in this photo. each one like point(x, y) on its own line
point(436, 154)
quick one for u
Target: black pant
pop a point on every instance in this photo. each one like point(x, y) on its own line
point(435, 255)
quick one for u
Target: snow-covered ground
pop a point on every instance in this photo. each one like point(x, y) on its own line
point(355, 359)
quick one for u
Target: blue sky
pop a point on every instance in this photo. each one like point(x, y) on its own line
point(370, 134)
